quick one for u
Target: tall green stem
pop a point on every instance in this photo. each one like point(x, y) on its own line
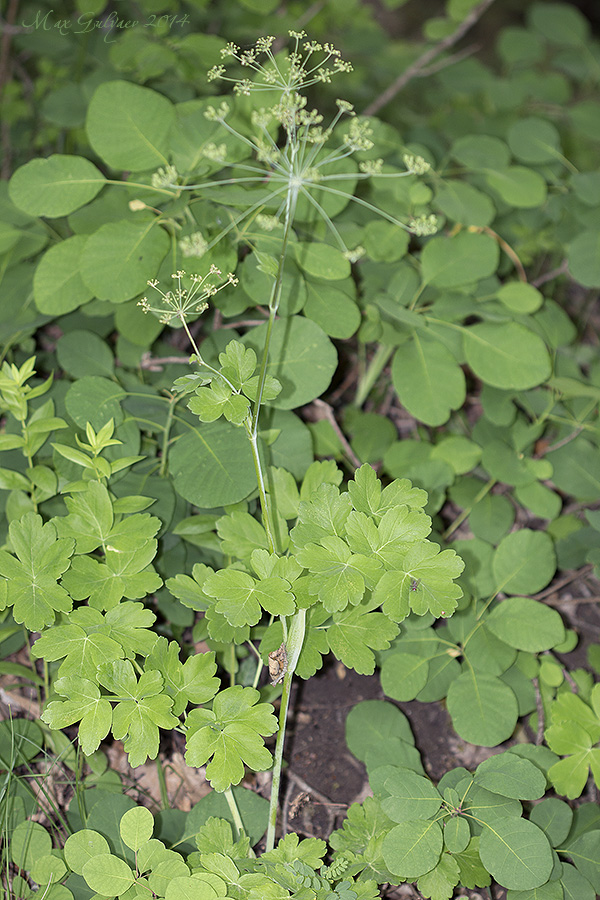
point(380, 358)
point(295, 639)
point(290, 209)
point(235, 813)
point(252, 427)
point(262, 490)
point(166, 434)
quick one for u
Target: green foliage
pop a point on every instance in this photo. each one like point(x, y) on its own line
point(443, 263)
point(466, 827)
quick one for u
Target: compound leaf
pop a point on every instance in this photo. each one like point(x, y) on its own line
point(85, 705)
point(230, 733)
point(355, 633)
point(32, 587)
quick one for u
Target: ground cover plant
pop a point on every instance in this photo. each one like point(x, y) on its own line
point(298, 363)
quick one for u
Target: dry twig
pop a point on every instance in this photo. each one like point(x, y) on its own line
point(420, 67)
point(328, 413)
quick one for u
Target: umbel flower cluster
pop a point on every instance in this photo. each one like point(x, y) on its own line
point(181, 301)
point(302, 157)
point(318, 64)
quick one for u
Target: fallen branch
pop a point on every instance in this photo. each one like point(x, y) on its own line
point(419, 68)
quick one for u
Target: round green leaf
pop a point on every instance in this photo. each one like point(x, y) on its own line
point(503, 463)
point(526, 624)
point(560, 23)
point(57, 284)
point(385, 242)
point(577, 469)
point(554, 817)
point(586, 186)
point(585, 853)
point(20, 741)
point(428, 380)
point(108, 875)
point(29, 841)
point(189, 888)
point(301, 357)
point(333, 310)
point(412, 848)
point(481, 151)
point(403, 675)
point(119, 259)
point(585, 117)
point(506, 355)
point(492, 517)
point(322, 261)
point(520, 297)
point(484, 710)
point(457, 834)
point(55, 186)
point(137, 327)
point(372, 435)
point(453, 261)
point(520, 45)
point(212, 465)
point(463, 203)
point(96, 400)
point(411, 796)
point(262, 7)
point(84, 353)
point(372, 722)
point(486, 653)
point(534, 141)
point(459, 452)
point(524, 562)
point(511, 776)
point(128, 125)
point(82, 846)
point(584, 259)
point(253, 810)
point(575, 886)
point(48, 869)
point(136, 827)
point(293, 448)
point(516, 853)
point(518, 186)
point(65, 106)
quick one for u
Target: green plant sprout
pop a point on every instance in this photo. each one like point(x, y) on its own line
point(301, 165)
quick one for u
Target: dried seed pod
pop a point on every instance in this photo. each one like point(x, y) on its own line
point(278, 663)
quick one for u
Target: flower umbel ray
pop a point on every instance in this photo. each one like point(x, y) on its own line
point(304, 161)
point(181, 302)
point(307, 63)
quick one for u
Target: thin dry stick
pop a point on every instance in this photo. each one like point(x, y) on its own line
point(550, 276)
point(450, 60)
point(570, 680)
point(566, 440)
point(328, 412)
point(557, 585)
point(343, 387)
point(309, 793)
point(539, 706)
point(419, 67)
